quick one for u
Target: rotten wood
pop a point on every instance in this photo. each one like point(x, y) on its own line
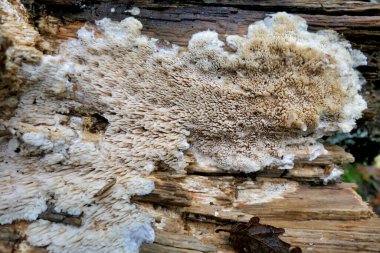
point(60, 217)
point(319, 219)
point(12, 239)
point(315, 6)
point(304, 170)
point(221, 196)
point(357, 21)
point(166, 192)
point(166, 241)
point(188, 208)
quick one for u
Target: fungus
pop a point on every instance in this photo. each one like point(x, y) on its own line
point(281, 89)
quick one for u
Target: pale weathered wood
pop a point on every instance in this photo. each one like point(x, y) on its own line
point(316, 235)
point(335, 155)
point(286, 200)
point(318, 219)
point(304, 169)
point(304, 204)
point(183, 243)
point(167, 193)
point(158, 248)
point(311, 235)
point(12, 239)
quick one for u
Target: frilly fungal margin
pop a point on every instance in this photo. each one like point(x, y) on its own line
point(247, 103)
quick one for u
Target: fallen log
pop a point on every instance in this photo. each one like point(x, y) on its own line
point(318, 213)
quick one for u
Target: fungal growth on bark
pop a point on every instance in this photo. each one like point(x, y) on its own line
point(113, 103)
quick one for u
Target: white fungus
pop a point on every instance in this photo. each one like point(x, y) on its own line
point(112, 106)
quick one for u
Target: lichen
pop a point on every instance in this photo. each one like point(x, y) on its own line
point(276, 90)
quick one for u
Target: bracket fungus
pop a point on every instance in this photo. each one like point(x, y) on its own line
point(275, 90)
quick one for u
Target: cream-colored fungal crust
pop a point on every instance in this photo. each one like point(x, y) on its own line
point(277, 89)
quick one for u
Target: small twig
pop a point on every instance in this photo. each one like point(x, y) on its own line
point(105, 188)
point(61, 217)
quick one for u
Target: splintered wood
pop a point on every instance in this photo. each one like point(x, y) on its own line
point(317, 218)
point(188, 208)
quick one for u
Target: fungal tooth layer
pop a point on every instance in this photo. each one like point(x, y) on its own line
point(112, 104)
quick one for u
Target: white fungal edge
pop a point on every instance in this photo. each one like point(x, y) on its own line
point(334, 176)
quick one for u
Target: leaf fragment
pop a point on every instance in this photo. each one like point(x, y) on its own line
point(253, 237)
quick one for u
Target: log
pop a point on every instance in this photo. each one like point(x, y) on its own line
point(359, 22)
point(318, 214)
point(209, 195)
point(312, 216)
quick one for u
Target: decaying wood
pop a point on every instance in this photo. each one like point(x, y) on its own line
point(357, 21)
point(188, 207)
point(318, 219)
point(304, 170)
point(222, 196)
point(335, 155)
point(59, 217)
point(12, 239)
point(166, 242)
point(315, 6)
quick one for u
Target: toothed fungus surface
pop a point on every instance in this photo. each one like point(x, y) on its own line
point(277, 89)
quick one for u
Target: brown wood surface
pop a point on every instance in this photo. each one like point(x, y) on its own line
point(317, 218)
point(315, 6)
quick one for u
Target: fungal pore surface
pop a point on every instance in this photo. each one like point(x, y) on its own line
point(113, 103)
